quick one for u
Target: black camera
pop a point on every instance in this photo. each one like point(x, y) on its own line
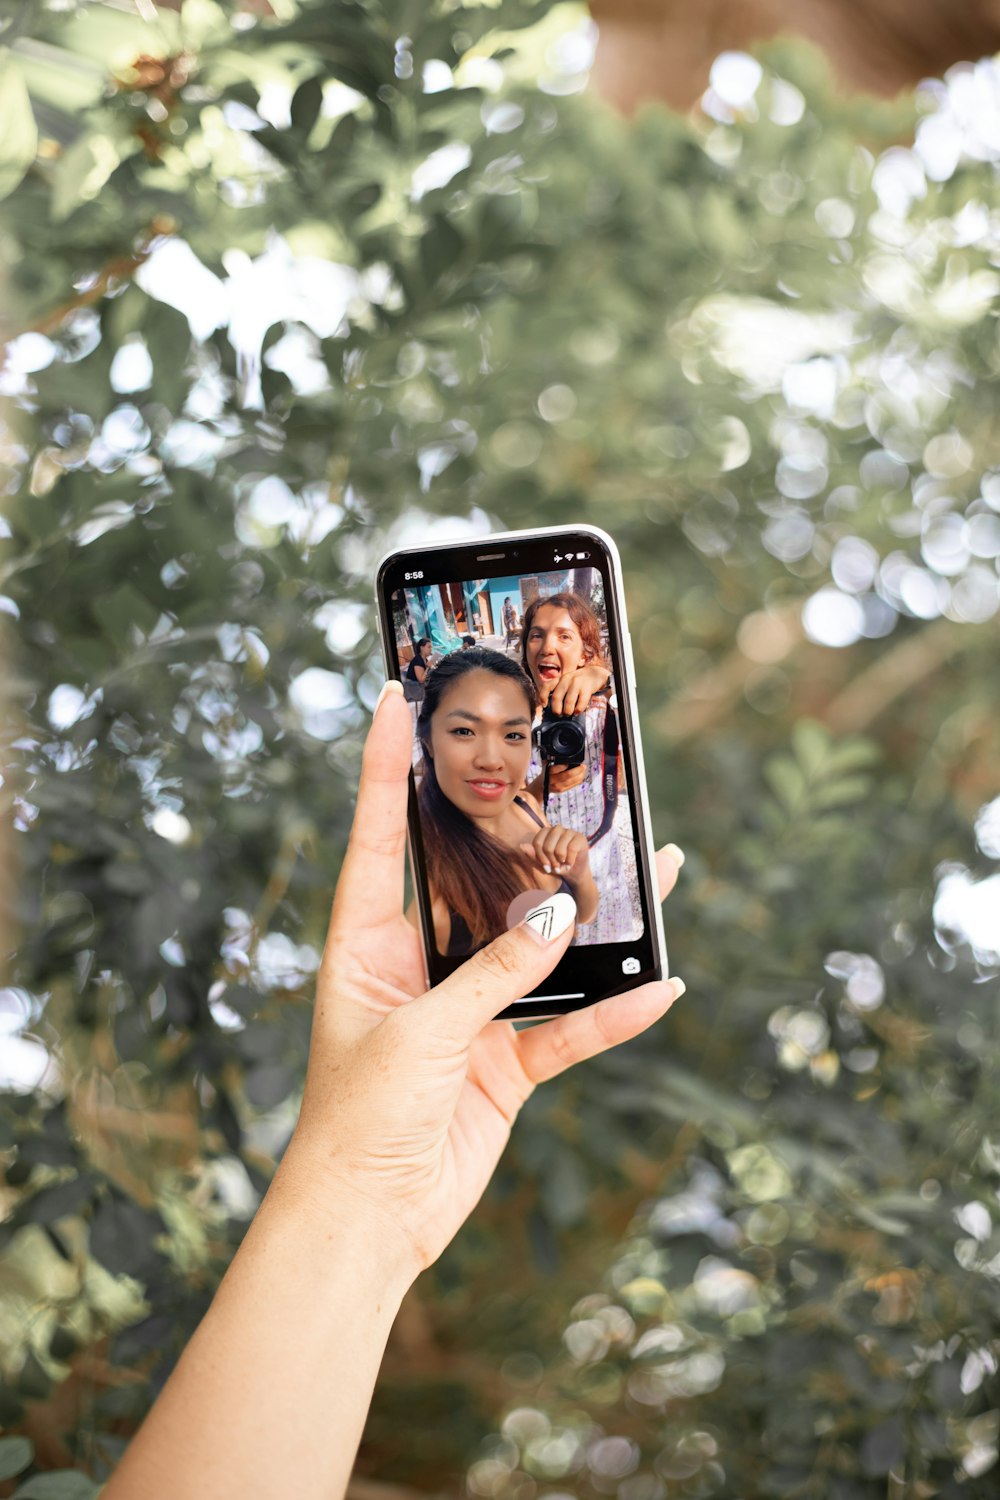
point(561, 740)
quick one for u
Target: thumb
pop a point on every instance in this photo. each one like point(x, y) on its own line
point(504, 971)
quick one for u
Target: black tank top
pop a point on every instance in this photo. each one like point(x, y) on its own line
point(460, 944)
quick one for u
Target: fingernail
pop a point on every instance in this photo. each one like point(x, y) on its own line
point(549, 920)
point(392, 686)
point(677, 855)
point(679, 987)
point(547, 869)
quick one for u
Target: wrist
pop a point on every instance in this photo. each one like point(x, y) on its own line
point(337, 1212)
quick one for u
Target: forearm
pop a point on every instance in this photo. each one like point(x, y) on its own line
point(271, 1395)
point(586, 896)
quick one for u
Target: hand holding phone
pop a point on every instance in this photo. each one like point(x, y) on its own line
point(417, 1089)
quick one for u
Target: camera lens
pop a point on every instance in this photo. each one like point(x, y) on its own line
point(561, 741)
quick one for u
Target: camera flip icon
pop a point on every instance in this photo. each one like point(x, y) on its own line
point(631, 965)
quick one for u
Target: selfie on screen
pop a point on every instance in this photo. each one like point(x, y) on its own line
point(520, 779)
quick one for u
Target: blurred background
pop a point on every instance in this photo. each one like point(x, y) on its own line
point(285, 284)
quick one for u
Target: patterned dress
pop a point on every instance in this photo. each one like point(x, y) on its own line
point(612, 858)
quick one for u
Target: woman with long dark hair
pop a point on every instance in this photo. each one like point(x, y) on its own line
point(485, 837)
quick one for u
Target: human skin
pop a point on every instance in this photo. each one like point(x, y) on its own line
point(409, 1101)
point(480, 742)
point(564, 673)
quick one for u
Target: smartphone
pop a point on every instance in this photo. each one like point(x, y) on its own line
point(482, 634)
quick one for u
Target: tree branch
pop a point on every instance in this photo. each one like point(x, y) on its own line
point(122, 268)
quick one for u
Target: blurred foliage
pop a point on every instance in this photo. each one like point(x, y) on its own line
point(282, 292)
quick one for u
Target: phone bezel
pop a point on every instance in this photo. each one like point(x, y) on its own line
point(537, 1006)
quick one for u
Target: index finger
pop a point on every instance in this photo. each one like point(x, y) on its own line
point(575, 700)
point(557, 697)
point(370, 888)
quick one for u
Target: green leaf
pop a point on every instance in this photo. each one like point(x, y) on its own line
point(841, 793)
point(853, 755)
point(106, 37)
point(306, 105)
point(125, 607)
point(784, 775)
point(168, 334)
point(812, 744)
point(440, 247)
point(203, 21)
point(64, 1484)
point(82, 171)
point(16, 1454)
point(80, 385)
point(56, 1202)
point(121, 1236)
point(60, 80)
point(19, 137)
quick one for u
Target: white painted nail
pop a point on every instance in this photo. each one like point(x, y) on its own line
point(392, 686)
point(677, 855)
point(679, 988)
point(551, 918)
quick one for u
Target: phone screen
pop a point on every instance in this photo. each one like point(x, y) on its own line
point(512, 658)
